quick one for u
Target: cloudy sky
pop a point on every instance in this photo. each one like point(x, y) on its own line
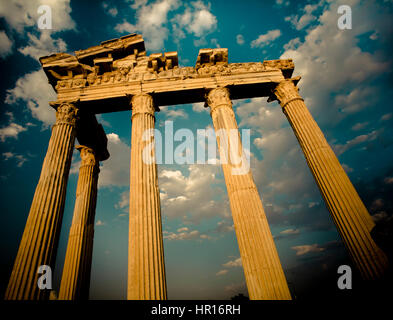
point(346, 83)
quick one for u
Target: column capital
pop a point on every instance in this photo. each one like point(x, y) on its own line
point(218, 97)
point(143, 103)
point(286, 91)
point(67, 112)
point(88, 155)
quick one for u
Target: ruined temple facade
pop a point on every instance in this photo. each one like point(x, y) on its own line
point(118, 75)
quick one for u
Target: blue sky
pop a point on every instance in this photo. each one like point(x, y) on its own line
point(346, 83)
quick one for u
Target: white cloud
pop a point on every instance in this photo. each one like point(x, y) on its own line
point(11, 131)
point(185, 234)
point(359, 126)
point(5, 45)
point(306, 18)
point(150, 21)
point(199, 107)
point(240, 39)
point(194, 197)
point(173, 112)
point(115, 171)
point(33, 88)
point(293, 44)
point(265, 39)
point(124, 201)
point(341, 148)
point(196, 20)
point(20, 159)
point(233, 263)
point(100, 223)
point(224, 226)
point(290, 231)
point(20, 14)
point(43, 46)
point(307, 248)
point(358, 99)
point(222, 272)
point(202, 21)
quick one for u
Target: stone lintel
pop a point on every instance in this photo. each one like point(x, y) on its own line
point(112, 97)
point(102, 76)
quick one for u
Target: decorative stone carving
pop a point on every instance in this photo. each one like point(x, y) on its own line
point(66, 113)
point(88, 156)
point(218, 97)
point(142, 103)
point(217, 56)
point(143, 71)
point(286, 92)
point(124, 60)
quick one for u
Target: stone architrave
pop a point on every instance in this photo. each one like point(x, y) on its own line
point(262, 268)
point(349, 214)
point(41, 235)
point(75, 280)
point(146, 269)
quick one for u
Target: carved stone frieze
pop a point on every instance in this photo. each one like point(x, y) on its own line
point(124, 60)
point(88, 156)
point(142, 103)
point(67, 113)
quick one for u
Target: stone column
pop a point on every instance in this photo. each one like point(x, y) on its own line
point(146, 269)
point(41, 235)
point(75, 281)
point(262, 268)
point(343, 202)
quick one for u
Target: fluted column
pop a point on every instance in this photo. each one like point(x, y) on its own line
point(146, 269)
point(41, 235)
point(343, 202)
point(75, 281)
point(262, 268)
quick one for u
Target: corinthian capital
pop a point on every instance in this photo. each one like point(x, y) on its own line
point(218, 97)
point(87, 155)
point(286, 91)
point(66, 112)
point(142, 103)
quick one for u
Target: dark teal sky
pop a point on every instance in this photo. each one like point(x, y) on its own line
point(346, 83)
